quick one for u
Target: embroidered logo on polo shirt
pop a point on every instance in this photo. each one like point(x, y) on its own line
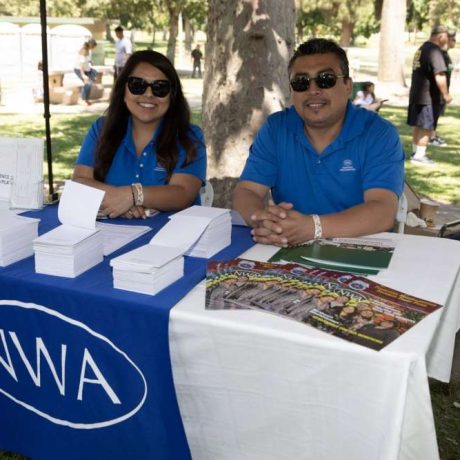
point(159, 168)
point(347, 166)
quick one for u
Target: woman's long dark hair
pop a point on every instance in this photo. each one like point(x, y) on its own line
point(366, 88)
point(175, 126)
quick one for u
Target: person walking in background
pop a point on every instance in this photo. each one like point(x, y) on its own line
point(434, 138)
point(144, 153)
point(84, 69)
point(428, 92)
point(123, 49)
point(197, 55)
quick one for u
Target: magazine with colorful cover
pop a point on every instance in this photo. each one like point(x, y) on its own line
point(365, 255)
point(348, 306)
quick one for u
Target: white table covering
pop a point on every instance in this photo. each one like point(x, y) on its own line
point(251, 385)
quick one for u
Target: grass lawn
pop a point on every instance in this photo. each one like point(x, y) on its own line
point(441, 182)
point(67, 133)
point(446, 409)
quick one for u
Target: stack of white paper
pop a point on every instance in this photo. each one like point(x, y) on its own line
point(200, 230)
point(68, 251)
point(147, 269)
point(16, 236)
point(76, 245)
point(217, 236)
point(116, 236)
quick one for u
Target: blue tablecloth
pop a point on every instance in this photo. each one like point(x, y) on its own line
point(85, 371)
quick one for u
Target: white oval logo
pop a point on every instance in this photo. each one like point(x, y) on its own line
point(44, 371)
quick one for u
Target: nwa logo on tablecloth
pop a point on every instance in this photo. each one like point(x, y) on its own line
point(63, 370)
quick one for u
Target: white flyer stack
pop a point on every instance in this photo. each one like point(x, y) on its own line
point(201, 231)
point(76, 245)
point(147, 269)
point(16, 236)
point(115, 236)
point(216, 225)
point(198, 231)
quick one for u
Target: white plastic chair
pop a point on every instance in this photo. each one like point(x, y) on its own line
point(207, 194)
point(401, 215)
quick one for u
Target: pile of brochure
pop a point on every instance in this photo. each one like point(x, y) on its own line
point(201, 231)
point(198, 231)
point(115, 236)
point(16, 236)
point(347, 306)
point(76, 245)
point(68, 251)
point(147, 269)
point(216, 236)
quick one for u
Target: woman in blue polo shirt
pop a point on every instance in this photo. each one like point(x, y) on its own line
point(144, 153)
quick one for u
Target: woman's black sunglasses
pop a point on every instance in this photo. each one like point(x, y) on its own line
point(323, 80)
point(138, 86)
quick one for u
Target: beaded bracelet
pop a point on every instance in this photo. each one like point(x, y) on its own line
point(138, 194)
point(318, 227)
point(134, 196)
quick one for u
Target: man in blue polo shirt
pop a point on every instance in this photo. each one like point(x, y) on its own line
point(333, 169)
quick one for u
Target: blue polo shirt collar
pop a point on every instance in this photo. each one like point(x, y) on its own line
point(128, 139)
point(350, 128)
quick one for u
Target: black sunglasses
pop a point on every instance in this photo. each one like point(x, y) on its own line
point(324, 80)
point(138, 86)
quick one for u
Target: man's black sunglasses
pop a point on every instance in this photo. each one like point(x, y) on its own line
point(324, 80)
point(138, 86)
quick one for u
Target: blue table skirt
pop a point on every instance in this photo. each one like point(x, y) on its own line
point(85, 371)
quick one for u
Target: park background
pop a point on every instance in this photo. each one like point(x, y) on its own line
point(247, 44)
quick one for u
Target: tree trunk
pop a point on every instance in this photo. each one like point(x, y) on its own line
point(391, 46)
point(154, 30)
point(249, 43)
point(346, 35)
point(173, 28)
point(108, 32)
point(188, 35)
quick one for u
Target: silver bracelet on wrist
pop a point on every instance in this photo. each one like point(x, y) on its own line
point(318, 227)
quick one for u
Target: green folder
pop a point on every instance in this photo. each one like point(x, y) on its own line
point(349, 255)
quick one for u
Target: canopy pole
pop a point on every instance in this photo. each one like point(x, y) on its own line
point(46, 100)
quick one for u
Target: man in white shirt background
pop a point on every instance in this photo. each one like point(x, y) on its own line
point(123, 49)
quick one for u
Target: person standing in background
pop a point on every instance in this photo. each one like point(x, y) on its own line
point(427, 93)
point(434, 138)
point(197, 55)
point(84, 69)
point(123, 49)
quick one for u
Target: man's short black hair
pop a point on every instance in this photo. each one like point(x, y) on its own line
point(119, 29)
point(322, 46)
